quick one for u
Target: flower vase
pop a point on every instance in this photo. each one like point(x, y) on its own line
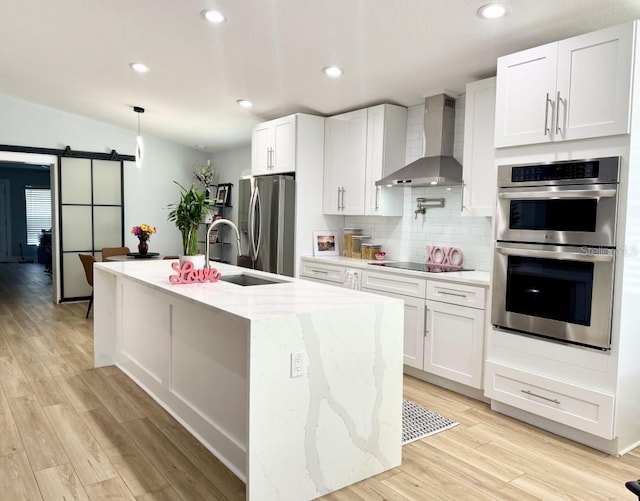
point(143, 247)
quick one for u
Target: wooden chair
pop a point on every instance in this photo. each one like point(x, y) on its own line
point(114, 251)
point(87, 263)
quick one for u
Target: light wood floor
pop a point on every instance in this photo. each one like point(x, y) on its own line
point(69, 431)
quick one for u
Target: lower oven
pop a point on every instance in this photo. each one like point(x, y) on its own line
point(557, 292)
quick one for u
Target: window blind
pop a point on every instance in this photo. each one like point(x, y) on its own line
point(38, 204)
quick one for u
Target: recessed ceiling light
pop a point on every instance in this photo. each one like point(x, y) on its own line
point(332, 71)
point(139, 67)
point(245, 103)
point(213, 16)
point(492, 11)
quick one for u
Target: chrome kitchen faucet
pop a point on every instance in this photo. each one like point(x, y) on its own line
point(218, 222)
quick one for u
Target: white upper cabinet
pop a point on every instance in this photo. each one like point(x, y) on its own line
point(386, 152)
point(273, 147)
point(361, 147)
point(345, 157)
point(594, 83)
point(573, 89)
point(478, 169)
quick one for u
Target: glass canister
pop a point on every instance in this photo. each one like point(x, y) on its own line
point(356, 242)
point(347, 235)
point(369, 251)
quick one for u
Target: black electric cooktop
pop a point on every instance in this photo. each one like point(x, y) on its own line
point(429, 268)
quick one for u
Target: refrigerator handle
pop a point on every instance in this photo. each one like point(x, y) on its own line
point(252, 208)
point(258, 213)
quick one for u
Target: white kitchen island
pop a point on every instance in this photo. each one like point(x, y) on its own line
point(219, 357)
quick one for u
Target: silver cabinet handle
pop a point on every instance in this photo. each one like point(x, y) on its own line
point(462, 207)
point(426, 322)
point(558, 101)
point(547, 130)
point(378, 188)
point(444, 293)
point(339, 191)
point(320, 272)
point(342, 205)
point(554, 400)
point(271, 158)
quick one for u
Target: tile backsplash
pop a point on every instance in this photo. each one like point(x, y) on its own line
point(406, 238)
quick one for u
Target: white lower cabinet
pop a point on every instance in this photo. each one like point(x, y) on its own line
point(414, 311)
point(454, 342)
point(454, 336)
point(444, 334)
point(576, 406)
point(412, 291)
point(444, 322)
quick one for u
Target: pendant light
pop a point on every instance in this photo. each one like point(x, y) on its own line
point(139, 143)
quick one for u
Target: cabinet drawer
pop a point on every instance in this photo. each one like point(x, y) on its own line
point(581, 408)
point(453, 293)
point(325, 272)
point(396, 284)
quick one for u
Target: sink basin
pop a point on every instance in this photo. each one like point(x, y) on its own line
point(246, 280)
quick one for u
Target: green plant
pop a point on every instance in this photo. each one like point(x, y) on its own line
point(187, 214)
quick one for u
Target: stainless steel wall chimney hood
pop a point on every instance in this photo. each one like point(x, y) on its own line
point(437, 167)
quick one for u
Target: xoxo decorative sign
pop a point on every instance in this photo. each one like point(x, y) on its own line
point(187, 274)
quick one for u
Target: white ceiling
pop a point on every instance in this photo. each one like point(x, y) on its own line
point(74, 55)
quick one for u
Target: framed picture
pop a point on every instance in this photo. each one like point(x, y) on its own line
point(325, 243)
point(223, 193)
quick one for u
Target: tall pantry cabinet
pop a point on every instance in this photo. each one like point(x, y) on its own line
point(590, 108)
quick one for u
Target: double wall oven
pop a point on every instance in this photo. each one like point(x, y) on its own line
point(555, 252)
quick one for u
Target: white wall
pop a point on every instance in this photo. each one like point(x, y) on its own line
point(147, 191)
point(405, 238)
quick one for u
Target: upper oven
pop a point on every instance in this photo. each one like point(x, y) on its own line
point(567, 202)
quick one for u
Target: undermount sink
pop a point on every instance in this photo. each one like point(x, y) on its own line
point(246, 280)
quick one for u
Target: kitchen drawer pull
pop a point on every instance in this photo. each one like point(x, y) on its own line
point(553, 400)
point(444, 293)
point(321, 272)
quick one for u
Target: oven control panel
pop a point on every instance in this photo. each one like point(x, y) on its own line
point(573, 170)
point(586, 171)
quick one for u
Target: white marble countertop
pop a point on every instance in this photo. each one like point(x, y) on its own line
point(482, 278)
point(290, 297)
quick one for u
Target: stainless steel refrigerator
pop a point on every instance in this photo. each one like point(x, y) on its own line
point(266, 215)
